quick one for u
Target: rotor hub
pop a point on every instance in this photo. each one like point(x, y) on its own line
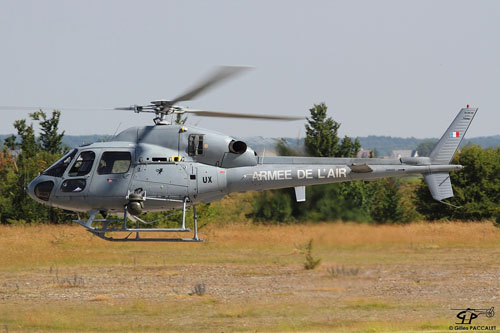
point(164, 107)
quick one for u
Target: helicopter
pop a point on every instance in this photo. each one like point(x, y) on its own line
point(170, 166)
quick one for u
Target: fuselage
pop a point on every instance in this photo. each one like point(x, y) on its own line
point(168, 163)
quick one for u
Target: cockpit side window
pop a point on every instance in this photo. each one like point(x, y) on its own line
point(195, 145)
point(83, 164)
point(57, 169)
point(114, 162)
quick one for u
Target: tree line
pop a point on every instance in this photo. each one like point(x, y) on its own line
point(35, 155)
point(392, 200)
point(389, 200)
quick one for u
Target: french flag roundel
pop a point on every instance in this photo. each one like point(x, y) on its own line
point(454, 134)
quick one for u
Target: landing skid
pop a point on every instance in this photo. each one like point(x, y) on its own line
point(101, 232)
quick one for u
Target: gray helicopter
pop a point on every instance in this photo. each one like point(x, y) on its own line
point(167, 166)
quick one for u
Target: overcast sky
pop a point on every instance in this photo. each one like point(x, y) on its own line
point(399, 68)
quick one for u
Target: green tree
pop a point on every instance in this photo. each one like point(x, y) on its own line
point(321, 136)
point(321, 133)
point(476, 188)
point(386, 202)
point(15, 204)
point(28, 143)
point(8, 170)
point(349, 148)
point(10, 142)
point(345, 201)
point(379, 201)
point(50, 139)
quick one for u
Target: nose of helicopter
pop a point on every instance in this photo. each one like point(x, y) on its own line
point(40, 189)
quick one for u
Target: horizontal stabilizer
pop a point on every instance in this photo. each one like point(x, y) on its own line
point(439, 184)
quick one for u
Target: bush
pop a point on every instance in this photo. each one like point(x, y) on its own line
point(497, 221)
point(311, 263)
point(272, 206)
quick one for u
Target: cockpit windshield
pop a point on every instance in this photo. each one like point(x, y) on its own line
point(57, 169)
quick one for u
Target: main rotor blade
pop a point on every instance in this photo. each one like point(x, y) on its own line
point(219, 75)
point(36, 108)
point(205, 113)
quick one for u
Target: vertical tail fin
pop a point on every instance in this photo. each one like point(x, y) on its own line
point(448, 145)
point(439, 183)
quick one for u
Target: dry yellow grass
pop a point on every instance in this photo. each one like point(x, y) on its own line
point(409, 278)
point(45, 245)
point(354, 234)
point(100, 298)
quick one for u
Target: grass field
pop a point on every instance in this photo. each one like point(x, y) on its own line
point(371, 278)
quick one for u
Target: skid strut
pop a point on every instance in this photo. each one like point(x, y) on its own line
point(101, 232)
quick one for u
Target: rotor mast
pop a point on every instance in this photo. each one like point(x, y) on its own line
point(163, 107)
